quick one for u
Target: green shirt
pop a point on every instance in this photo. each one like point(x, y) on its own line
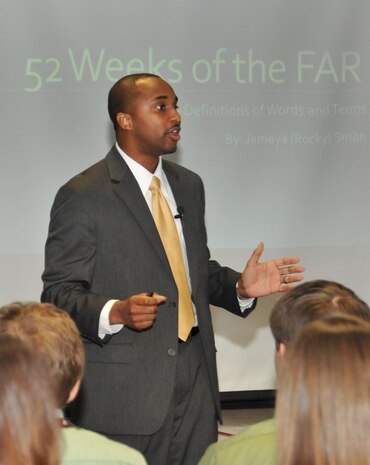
point(84, 447)
point(254, 446)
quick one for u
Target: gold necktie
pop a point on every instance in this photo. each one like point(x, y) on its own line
point(167, 229)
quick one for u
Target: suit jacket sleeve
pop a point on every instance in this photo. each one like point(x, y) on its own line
point(70, 259)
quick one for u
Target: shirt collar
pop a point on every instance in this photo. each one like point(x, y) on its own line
point(141, 174)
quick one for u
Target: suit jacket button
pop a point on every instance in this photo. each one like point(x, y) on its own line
point(172, 305)
point(171, 352)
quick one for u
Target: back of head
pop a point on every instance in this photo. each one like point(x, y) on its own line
point(310, 301)
point(52, 333)
point(29, 433)
point(323, 403)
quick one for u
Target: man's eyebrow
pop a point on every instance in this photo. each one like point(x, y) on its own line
point(164, 97)
point(161, 97)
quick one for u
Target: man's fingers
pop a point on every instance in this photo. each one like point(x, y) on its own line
point(140, 311)
point(288, 279)
point(285, 261)
point(257, 252)
point(144, 307)
point(150, 298)
point(291, 269)
point(285, 288)
point(143, 318)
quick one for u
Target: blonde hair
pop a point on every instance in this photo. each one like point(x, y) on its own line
point(51, 332)
point(29, 434)
point(323, 403)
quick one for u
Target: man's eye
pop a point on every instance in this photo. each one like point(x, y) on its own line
point(161, 107)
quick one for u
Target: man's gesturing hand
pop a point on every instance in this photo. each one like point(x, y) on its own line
point(261, 279)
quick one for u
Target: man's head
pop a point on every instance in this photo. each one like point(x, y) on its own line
point(311, 301)
point(143, 110)
point(123, 93)
point(47, 330)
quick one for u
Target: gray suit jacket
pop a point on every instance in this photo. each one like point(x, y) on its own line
point(103, 244)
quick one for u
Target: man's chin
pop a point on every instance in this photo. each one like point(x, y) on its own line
point(170, 150)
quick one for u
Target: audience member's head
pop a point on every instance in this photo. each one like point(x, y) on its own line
point(323, 403)
point(52, 333)
point(29, 434)
point(310, 301)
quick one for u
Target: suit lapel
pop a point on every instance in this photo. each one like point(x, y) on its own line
point(182, 192)
point(127, 189)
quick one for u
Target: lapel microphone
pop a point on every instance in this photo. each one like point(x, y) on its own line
point(180, 213)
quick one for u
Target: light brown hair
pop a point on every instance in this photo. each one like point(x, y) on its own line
point(29, 434)
point(310, 301)
point(52, 332)
point(323, 403)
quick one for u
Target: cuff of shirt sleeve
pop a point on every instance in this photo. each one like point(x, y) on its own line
point(105, 327)
point(244, 302)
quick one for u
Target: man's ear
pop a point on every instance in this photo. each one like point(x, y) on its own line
point(124, 121)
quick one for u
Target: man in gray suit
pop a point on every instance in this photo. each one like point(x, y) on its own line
point(106, 265)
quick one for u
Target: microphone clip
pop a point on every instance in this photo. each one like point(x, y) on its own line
point(180, 213)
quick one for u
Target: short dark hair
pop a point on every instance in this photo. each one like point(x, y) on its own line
point(310, 301)
point(123, 92)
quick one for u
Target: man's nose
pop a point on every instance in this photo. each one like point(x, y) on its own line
point(175, 116)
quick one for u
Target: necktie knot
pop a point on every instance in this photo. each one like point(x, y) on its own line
point(155, 185)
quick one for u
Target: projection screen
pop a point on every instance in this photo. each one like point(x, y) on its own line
point(274, 97)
